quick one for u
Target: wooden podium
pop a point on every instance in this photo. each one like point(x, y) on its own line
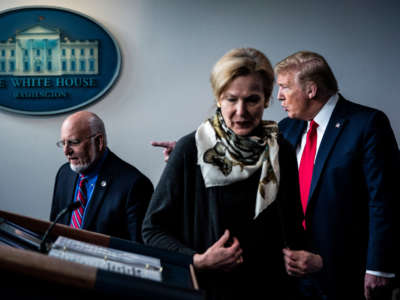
point(26, 274)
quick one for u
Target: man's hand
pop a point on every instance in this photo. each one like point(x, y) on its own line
point(300, 263)
point(376, 287)
point(169, 146)
point(220, 256)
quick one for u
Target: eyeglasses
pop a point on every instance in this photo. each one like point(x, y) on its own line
point(73, 142)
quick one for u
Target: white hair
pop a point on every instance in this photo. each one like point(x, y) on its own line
point(96, 125)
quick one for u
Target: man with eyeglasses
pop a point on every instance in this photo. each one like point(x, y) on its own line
point(114, 195)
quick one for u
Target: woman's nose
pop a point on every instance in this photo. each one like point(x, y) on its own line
point(241, 108)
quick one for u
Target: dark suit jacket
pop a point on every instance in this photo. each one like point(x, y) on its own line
point(119, 200)
point(349, 215)
point(184, 216)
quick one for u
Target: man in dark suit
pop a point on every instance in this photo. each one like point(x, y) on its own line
point(114, 194)
point(349, 203)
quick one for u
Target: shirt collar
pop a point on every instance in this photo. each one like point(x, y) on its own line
point(323, 116)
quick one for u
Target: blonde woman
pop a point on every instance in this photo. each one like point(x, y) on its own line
point(229, 196)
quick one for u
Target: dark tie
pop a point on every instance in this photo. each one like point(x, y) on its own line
point(307, 165)
point(81, 196)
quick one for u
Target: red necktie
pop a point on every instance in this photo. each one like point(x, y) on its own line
point(81, 196)
point(307, 165)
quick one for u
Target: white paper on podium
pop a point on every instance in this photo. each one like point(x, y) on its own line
point(107, 259)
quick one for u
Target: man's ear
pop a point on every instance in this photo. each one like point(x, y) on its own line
point(311, 89)
point(99, 142)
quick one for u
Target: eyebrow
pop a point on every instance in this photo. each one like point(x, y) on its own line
point(229, 95)
point(252, 93)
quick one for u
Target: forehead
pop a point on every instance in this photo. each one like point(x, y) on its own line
point(287, 77)
point(250, 83)
point(74, 128)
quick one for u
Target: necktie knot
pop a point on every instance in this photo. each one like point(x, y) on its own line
point(313, 125)
point(82, 178)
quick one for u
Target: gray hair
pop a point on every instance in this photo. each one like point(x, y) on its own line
point(96, 125)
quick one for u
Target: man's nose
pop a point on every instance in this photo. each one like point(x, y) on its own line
point(67, 149)
point(280, 95)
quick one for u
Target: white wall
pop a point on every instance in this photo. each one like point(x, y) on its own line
point(163, 92)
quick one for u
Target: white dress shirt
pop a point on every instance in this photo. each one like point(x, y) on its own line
point(322, 119)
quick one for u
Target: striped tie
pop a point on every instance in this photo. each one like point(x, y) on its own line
point(81, 196)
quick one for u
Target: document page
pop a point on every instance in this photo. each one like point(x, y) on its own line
point(107, 259)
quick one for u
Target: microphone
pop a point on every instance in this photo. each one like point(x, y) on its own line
point(44, 247)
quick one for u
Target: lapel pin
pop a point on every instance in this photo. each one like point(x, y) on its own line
point(103, 183)
point(337, 125)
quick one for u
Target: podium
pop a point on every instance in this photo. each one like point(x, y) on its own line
point(28, 274)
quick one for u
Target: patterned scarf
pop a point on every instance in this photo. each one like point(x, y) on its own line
point(225, 157)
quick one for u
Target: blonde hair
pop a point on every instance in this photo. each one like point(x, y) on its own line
point(241, 62)
point(310, 67)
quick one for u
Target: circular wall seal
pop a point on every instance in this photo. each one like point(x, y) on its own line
point(54, 60)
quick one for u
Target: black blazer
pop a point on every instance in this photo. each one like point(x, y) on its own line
point(349, 217)
point(119, 200)
point(184, 216)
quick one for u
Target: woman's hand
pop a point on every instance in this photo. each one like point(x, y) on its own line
point(299, 262)
point(220, 256)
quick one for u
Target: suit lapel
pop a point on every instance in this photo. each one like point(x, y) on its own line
point(102, 184)
point(335, 126)
point(69, 194)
